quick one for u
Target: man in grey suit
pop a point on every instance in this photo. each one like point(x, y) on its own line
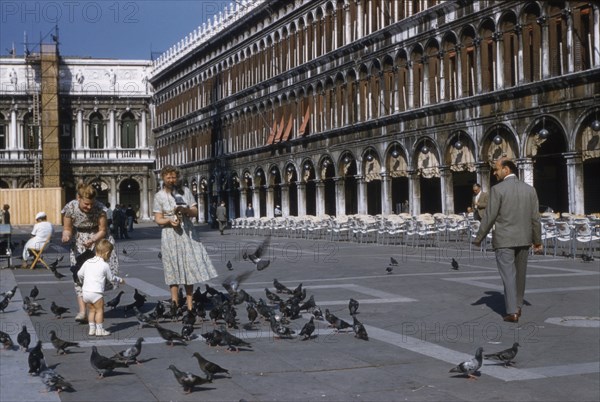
point(514, 209)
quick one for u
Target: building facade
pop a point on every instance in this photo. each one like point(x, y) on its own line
point(65, 120)
point(365, 106)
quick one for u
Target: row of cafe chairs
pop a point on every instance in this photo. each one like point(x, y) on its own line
point(568, 231)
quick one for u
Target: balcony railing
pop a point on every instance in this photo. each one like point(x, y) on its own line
point(94, 155)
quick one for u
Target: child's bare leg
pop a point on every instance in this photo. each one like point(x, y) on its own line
point(99, 308)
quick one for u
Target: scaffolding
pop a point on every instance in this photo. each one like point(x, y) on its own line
point(34, 129)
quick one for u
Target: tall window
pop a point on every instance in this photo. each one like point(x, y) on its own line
point(128, 125)
point(2, 132)
point(96, 131)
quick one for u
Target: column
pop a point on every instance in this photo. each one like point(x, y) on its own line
point(79, 132)
point(362, 194)
point(340, 196)
point(386, 194)
point(230, 206)
point(143, 143)
point(447, 188)
point(12, 138)
point(201, 206)
point(359, 20)
point(320, 197)
point(414, 193)
point(596, 44)
point(483, 175)
point(243, 201)
point(519, 73)
point(270, 202)
point(348, 24)
point(110, 141)
point(575, 182)
point(499, 82)
point(113, 191)
point(285, 199)
point(569, 48)
point(256, 202)
point(525, 166)
point(144, 201)
point(545, 47)
point(301, 186)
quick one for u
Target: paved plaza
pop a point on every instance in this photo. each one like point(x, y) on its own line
point(422, 319)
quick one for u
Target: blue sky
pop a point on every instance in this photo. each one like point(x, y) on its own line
point(103, 28)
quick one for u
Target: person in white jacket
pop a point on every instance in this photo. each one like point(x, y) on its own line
point(42, 230)
point(93, 274)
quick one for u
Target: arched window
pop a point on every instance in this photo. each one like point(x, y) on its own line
point(128, 126)
point(2, 132)
point(96, 131)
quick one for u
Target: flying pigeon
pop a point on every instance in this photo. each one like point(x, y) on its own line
point(58, 310)
point(506, 356)
point(130, 354)
point(255, 257)
point(209, 368)
point(115, 301)
point(308, 329)
point(470, 367)
point(53, 380)
point(393, 262)
point(454, 264)
point(35, 358)
point(102, 364)
point(34, 292)
point(4, 303)
point(353, 306)
point(24, 339)
point(187, 379)
point(59, 344)
point(6, 340)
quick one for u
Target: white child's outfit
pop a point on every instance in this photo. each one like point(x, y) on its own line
point(93, 274)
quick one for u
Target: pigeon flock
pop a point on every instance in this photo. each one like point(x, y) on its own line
point(277, 311)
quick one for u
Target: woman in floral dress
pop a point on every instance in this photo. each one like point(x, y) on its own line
point(85, 219)
point(184, 258)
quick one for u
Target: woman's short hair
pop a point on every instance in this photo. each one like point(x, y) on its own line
point(169, 169)
point(86, 191)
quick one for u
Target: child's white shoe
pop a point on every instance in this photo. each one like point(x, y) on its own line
point(102, 332)
point(92, 332)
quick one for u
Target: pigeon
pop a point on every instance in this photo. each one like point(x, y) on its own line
point(9, 293)
point(53, 380)
point(35, 358)
point(24, 339)
point(359, 330)
point(255, 257)
point(232, 341)
point(280, 330)
point(353, 306)
point(61, 345)
point(393, 262)
point(229, 265)
point(102, 364)
point(279, 288)
point(317, 313)
point(272, 296)
point(4, 303)
point(54, 264)
point(310, 303)
point(308, 329)
point(209, 368)
point(186, 332)
point(454, 264)
point(32, 308)
point(506, 356)
point(231, 284)
point(58, 310)
point(587, 258)
point(57, 274)
point(470, 367)
point(130, 354)
point(124, 251)
point(142, 318)
point(169, 335)
point(6, 340)
point(187, 379)
point(252, 313)
point(34, 292)
point(159, 255)
point(336, 322)
point(115, 301)
point(389, 270)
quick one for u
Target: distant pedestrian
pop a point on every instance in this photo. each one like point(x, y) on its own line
point(6, 214)
point(222, 216)
point(130, 214)
point(277, 211)
point(479, 202)
point(109, 216)
point(249, 211)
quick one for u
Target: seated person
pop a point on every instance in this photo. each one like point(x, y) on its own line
point(42, 230)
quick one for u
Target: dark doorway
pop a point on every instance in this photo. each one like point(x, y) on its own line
point(129, 193)
point(399, 193)
point(293, 198)
point(463, 190)
point(431, 197)
point(550, 173)
point(350, 195)
point(591, 185)
point(374, 197)
point(311, 198)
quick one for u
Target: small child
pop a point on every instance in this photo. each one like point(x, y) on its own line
point(93, 274)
